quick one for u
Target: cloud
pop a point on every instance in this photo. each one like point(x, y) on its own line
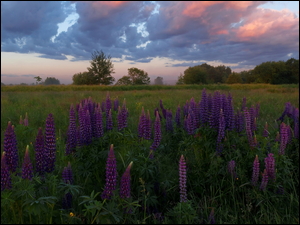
point(225, 31)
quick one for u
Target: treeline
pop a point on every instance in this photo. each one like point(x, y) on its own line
point(267, 72)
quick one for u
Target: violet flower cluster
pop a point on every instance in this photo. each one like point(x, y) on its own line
point(125, 183)
point(264, 181)
point(270, 166)
point(284, 136)
point(144, 126)
point(27, 169)
point(157, 133)
point(111, 174)
point(50, 144)
point(182, 179)
point(40, 162)
point(255, 171)
point(10, 148)
point(71, 134)
point(221, 132)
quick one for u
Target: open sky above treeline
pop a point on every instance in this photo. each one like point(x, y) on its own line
point(56, 38)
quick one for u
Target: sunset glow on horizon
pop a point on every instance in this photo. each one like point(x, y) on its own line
point(56, 39)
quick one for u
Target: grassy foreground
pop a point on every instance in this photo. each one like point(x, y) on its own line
point(213, 193)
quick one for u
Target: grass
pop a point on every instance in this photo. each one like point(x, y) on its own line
point(154, 183)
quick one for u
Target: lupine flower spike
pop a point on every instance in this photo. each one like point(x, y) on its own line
point(27, 170)
point(50, 143)
point(125, 183)
point(211, 218)
point(5, 174)
point(182, 179)
point(270, 166)
point(264, 181)
point(111, 174)
point(255, 171)
point(10, 148)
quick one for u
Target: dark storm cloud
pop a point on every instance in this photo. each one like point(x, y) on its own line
point(229, 32)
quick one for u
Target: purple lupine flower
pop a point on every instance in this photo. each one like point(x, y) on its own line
point(27, 169)
point(10, 148)
point(98, 122)
point(82, 121)
point(40, 162)
point(239, 121)
point(283, 138)
point(157, 111)
point(88, 128)
point(50, 143)
point(71, 135)
point(125, 183)
point(264, 181)
point(248, 127)
point(169, 124)
point(5, 174)
point(177, 116)
point(120, 119)
point(116, 104)
point(108, 104)
point(147, 132)
point(67, 176)
point(25, 121)
point(125, 113)
point(231, 169)
point(182, 179)
point(211, 218)
point(270, 166)
point(229, 115)
point(157, 133)
point(109, 121)
point(266, 132)
point(221, 131)
point(255, 171)
point(111, 174)
point(141, 125)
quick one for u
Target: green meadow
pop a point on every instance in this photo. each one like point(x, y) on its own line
point(211, 190)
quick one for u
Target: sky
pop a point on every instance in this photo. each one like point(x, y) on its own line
point(163, 38)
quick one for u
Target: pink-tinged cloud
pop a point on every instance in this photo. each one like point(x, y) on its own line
point(266, 23)
point(197, 8)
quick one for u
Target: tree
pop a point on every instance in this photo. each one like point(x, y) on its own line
point(125, 80)
point(101, 69)
point(83, 78)
point(180, 79)
point(158, 81)
point(51, 81)
point(195, 75)
point(234, 78)
point(135, 77)
point(38, 79)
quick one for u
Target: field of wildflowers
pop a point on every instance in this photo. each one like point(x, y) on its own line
point(212, 160)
